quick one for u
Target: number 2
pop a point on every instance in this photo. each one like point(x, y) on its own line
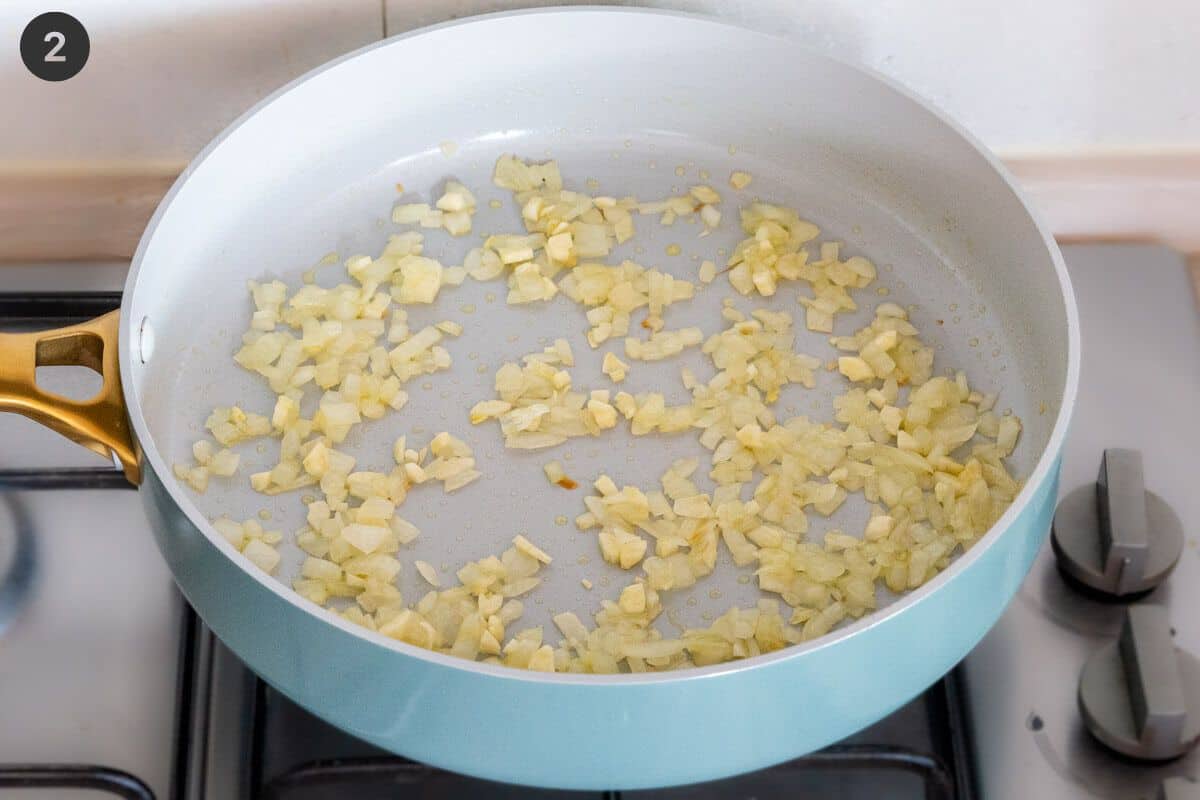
point(59, 40)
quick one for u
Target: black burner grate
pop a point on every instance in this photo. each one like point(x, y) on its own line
point(369, 778)
point(51, 777)
point(34, 311)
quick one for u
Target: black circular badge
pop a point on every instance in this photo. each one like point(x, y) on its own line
point(55, 46)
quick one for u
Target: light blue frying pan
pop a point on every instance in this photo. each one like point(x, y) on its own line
point(642, 103)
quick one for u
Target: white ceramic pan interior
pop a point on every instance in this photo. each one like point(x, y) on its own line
point(628, 103)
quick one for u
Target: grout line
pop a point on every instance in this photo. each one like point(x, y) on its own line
point(383, 18)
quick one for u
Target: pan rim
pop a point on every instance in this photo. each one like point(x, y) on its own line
point(1039, 475)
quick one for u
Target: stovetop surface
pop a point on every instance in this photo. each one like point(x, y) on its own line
point(1139, 388)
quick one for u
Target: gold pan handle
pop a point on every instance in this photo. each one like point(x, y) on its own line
point(101, 423)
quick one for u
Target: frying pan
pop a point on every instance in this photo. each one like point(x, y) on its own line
point(628, 102)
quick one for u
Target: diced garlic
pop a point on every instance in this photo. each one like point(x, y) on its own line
point(421, 278)
point(530, 549)
point(262, 555)
point(224, 463)
point(855, 369)
point(614, 368)
point(428, 573)
point(410, 213)
point(633, 599)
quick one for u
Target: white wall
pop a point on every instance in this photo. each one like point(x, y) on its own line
point(1027, 76)
point(164, 76)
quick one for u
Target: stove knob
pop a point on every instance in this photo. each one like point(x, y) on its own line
point(1178, 789)
point(1139, 695)
point(1116, 537)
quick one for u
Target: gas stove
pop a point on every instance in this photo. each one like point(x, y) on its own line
point(109, 683)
